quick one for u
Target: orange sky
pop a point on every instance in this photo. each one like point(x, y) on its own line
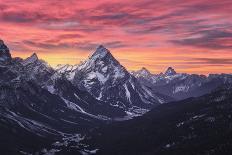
point(192, 36)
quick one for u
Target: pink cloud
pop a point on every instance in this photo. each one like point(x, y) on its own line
point(163, 26)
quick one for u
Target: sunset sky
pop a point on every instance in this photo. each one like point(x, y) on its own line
point(193, 36)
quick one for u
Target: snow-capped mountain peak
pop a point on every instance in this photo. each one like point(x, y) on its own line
point(103, 63)
point(170, 71)
point(4, 52)
point(107, 80)
point(100, 52)
point(143, 72)
point(102, 66)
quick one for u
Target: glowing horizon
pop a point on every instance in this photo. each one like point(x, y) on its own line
point(192, 36)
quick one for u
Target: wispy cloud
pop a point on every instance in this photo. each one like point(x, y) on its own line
point(212, 39)
point(213, 61)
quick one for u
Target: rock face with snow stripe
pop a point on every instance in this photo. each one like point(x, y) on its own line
point(67, 70)
point(107, 80)
point(36, 69)
point(84, 101)
point(182, 85)
point(4, 52)
point(29, 112)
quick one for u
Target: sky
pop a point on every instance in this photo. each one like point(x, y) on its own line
point(193, 36)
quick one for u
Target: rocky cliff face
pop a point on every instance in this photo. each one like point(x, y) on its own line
point(4, 52)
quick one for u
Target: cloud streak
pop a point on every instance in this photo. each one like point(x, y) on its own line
point(212, 39)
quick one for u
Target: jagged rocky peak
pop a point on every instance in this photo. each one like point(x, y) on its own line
point(144, 71)
point(100, 52)
point(33, 58)
point(100, 68)
point(99, 59)
point(170, 71)
point(4, 52)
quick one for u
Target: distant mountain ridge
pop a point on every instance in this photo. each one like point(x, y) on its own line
point(182, 85)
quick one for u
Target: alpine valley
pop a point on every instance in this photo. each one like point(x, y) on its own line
point(99, 107)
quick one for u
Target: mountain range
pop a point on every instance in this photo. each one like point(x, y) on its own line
point(62, 109)
point(181, 85)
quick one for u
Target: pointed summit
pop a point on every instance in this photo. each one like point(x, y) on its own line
point(102, 60)
point(145, 71)
point(4, 52)
point(100, 68)
point(100, 52)
point(101, 46)
point(170, 71)
point(33, 58)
